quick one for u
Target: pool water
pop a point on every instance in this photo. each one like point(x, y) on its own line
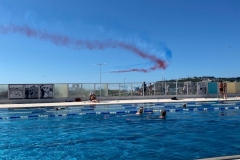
point(185, 134)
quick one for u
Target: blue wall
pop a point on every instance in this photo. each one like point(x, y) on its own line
point(212, 88)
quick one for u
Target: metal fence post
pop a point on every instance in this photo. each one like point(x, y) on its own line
point(107, 90)
point(81, 89)
point(176, 88)
point(94, 88)
point(197, 88)
point(165, 93)
point(154, 92)
point(131, 90)
point(119, 89)
point(143, 90)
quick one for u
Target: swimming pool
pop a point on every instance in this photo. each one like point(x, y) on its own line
point(203, 129)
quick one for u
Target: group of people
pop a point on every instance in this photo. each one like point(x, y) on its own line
point(146, 89)
point(163, 113)
point(222, 89)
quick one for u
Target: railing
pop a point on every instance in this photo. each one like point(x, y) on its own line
point(73, 90)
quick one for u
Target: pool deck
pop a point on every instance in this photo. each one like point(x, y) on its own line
point(234, 157)
point(115, 102)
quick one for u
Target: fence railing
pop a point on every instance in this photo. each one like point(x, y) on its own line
point(72, 90)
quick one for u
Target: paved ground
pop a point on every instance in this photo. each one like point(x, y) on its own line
point(235, 157)
point(113, 102)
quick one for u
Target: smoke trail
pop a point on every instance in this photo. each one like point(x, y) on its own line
point(138, 65)
point(79, 44)
point(137, 70)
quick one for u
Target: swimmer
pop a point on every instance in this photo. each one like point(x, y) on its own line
point(60, 108)
point(106, 116)
point(163, 114)
point(92, 98)
point(140, 111)
point(184, 105)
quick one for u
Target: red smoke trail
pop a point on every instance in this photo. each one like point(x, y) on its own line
point(81, 44)
point(137, 70)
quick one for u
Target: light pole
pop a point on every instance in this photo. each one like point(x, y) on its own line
point(124, 83)
point(100, 65)
point(162, 84)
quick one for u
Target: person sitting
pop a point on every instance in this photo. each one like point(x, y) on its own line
point(140, 111)
point(163, 114)
point(92, 98)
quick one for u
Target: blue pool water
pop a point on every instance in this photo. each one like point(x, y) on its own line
point(202, 130)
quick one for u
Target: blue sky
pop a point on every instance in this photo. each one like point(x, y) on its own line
point(202, 35)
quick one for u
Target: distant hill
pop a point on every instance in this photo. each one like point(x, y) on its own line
point(205, 79)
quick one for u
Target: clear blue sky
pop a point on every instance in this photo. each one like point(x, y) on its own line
point(202, 35)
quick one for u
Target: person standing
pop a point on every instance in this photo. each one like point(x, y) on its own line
point(220, 86)
point(144, 86)
point(225, 90)
point(150, 88)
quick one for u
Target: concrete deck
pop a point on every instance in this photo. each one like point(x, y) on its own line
point(84, 103)
point(234, 157)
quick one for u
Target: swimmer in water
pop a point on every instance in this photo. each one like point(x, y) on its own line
point(163, 114)
point(60, 108)
point(140, 111)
